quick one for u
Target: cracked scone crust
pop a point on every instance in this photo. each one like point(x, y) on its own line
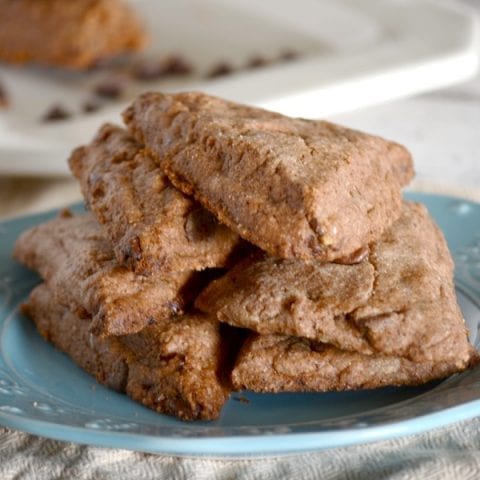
point(398, 301)
point(172, 369)
point(75, 34)
point(76, 261)
point(296, 188)
point(275, 363)
point(152, 226)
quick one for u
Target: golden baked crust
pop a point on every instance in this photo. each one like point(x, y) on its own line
point(152, 226)
point(77, 262)
point(296, 188)
point(74, 34)
point(275, 363)
point(398, 301)
point(173, 368)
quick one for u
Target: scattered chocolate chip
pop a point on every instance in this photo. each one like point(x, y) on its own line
point(56, 113)
point(110, 88)
point(90, 106)
point(256, 62)
point(288, 55)
point(221, 69)
point(3, 97)
point(176, 65)
point(155, 69)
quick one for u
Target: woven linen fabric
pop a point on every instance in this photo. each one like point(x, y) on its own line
point(447, 453)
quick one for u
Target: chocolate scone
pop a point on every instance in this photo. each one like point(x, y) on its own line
point(275, 363)
point(152, 226)
point(75, 34)
point(400, 300)
point(296, 188)
point(174, 368)
point(77, 262)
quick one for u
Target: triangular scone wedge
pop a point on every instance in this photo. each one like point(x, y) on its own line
point(76, 35)
point(174, 367)
point(152, 226)
point(296, 188)
point(77, 262)
point(276, 363)
point(399, 301)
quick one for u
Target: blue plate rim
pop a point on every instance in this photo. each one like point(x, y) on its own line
point(243, 443)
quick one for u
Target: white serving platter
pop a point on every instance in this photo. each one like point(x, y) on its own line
point(350, 54)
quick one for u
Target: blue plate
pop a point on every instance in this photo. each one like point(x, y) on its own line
point(43, 392)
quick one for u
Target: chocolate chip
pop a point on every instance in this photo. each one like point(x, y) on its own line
point(133, 251)
point(256, 62)
point(155, 69)
point(288, 55)
point(200, 224)
point(221, 69)
point(56, 113)
point(176, 65)
point(168, 357)
point(110, 88)
point(90, 106)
